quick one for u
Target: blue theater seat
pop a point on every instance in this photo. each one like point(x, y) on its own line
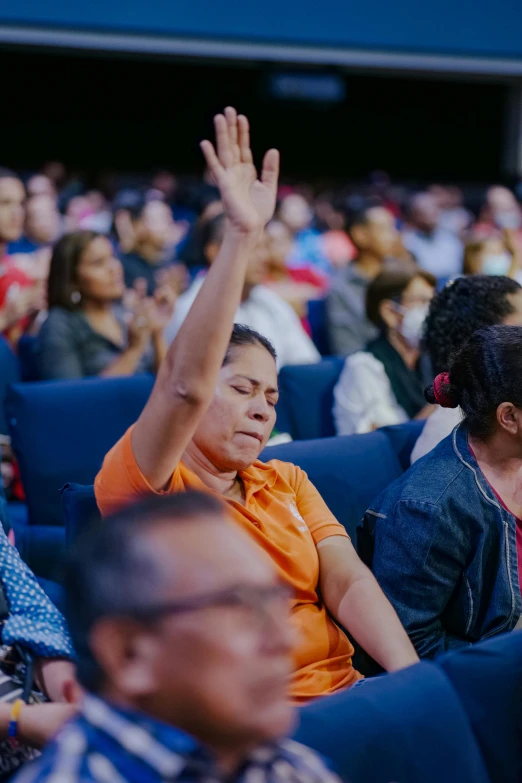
point(409, 727)
point(488, 680)
point(61, 431)
point(28, 358)
point(9, 374)
point(306, 398)
point(317, 318)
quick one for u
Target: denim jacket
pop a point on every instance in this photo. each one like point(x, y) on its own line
point(443, 549)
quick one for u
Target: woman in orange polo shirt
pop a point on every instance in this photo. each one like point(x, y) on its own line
point(209, 416)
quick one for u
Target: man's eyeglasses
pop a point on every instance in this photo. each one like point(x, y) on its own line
point(259, 600)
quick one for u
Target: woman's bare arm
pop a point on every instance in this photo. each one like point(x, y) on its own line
point(187, 378)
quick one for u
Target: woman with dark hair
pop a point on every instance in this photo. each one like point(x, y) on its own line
point(383, 384)
point(209, 417)
point(463, 307)
point(445, 540)
point(87, 331)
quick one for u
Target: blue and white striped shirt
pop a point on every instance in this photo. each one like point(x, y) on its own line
point(106, 744)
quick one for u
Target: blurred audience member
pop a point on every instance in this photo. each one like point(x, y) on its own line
point(185, 649)
point(87, 332)
point(42, 225)
point(435, 249)
point(56, 172)
point(458, 311)
point(20, 297)
point(444, 541)
point(331, 219)
point(260, 308)
point(500, 210)
point(380, 188)
point(494, 254)
point(297, 214)
point(454, 217)
point(153, 239)
point(384, 385)
point(41, 185)
point(373, 232)
point(296, 285)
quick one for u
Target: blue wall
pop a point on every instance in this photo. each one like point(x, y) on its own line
point(466, 27)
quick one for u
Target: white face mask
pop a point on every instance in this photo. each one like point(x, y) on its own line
point(412, 323)
point(496, 264)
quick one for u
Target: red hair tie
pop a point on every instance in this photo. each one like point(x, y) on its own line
point(443, 397)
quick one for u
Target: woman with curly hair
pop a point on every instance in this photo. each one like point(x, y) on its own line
point(463, 307)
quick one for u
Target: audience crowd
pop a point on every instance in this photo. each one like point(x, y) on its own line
point(220, 594)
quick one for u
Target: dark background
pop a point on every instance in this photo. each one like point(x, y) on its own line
point(131, 113)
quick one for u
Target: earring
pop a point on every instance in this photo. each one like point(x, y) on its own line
point(76, 297)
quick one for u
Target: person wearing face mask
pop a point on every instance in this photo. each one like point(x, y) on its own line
point(497, 255)
point(383, 385)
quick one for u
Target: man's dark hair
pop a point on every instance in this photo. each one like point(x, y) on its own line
point(463, 307)
point(131, 201)
point(109, 572)
point(244, 335)
point(359, 209)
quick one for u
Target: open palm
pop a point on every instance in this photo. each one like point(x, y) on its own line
point(249, 202)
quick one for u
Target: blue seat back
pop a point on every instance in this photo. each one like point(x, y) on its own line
point(28, 357)
point(306, 399)
point(9, 374)
point(409, 727)
point(318, 321)
point(80, 508)
point(62, 430)
point(403, 438)
point(488, 680)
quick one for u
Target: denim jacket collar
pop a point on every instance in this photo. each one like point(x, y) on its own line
point(466, 457)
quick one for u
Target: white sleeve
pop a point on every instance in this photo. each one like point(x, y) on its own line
point(438, 426)
point(183, 305)
point(363, 398)
point(295, 346)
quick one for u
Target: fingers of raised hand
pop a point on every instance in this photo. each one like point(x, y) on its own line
point(211, 159)
point(270, 170)
point(244, 139)
point(223, 140)
point(232, 123)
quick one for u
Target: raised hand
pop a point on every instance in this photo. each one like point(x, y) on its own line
point(249, 202)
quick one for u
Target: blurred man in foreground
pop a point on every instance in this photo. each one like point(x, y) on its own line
point(184, 644)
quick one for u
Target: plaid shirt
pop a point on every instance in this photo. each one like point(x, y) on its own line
point(110, 745)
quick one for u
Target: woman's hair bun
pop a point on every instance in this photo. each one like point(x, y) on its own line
point(442, 392)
